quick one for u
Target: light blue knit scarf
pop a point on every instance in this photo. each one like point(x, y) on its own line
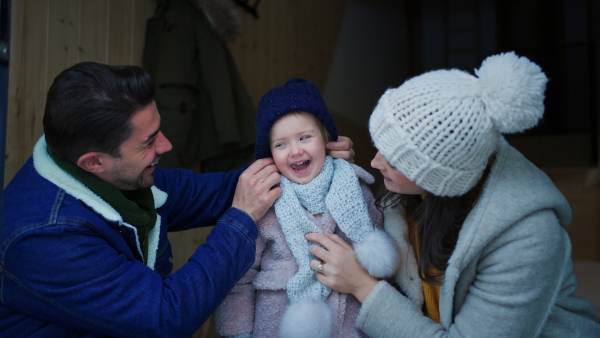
point(337, 189)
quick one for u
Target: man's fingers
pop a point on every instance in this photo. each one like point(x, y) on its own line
point(346, 155)
point(273, 194)
point(272, 179)
point(342, 148)
point(254, 192)
point(342, 144)
point(261, 172)
point(261, 168)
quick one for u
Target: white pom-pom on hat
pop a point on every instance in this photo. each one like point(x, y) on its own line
point(512, 90)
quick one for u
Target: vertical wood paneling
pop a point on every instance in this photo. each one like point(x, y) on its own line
point(63, 35)
point(93, 39)
point(27, 81)
point(120, 32)
point(290, 38)
point(50, 36)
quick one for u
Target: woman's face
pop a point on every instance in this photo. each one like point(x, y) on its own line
point(394, 180)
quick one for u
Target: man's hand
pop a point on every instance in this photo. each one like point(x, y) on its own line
point(254, 193)
point(341, 149)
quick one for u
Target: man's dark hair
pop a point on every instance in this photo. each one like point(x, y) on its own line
point(89, 108)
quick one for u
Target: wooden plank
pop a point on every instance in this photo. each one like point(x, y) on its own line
point(15, 73)
point(93, 38)
point(120, 32)
point(291, 38)
point(27, 81)
point(63, 36)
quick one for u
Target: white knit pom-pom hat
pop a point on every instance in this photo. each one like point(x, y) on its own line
point(439, 129)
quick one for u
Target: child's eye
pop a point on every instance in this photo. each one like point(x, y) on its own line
point(304, 137)
point(278, 145)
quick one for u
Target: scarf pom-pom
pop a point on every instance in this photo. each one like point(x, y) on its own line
point(306, 318)
point(378, 254)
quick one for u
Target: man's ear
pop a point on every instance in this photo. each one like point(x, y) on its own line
point(93, 162)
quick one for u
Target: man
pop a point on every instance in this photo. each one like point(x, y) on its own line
point(84, 248)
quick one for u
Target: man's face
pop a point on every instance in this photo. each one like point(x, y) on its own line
point(140, 153)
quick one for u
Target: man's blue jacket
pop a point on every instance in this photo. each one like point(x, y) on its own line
point(70, 266)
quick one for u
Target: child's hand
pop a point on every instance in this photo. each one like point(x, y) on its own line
point(341, 149)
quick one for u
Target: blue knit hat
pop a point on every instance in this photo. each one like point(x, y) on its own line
point(297, 95)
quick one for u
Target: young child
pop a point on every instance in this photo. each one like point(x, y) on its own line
point(280, 296)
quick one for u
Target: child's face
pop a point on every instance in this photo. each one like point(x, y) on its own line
point(298, 147)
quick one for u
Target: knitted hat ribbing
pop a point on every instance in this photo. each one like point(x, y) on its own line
point(439, 129)
point(297, 95)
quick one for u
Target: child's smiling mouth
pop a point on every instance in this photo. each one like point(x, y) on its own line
point(299, 166)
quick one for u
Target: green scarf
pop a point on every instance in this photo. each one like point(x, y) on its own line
point(136, 206)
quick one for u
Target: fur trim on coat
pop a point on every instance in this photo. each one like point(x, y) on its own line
point(223, 17)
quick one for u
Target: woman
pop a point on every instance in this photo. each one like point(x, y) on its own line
point(480, 230)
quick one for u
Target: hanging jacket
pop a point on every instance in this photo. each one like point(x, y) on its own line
point(206, 111)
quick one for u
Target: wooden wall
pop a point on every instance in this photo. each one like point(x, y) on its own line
point(290, 38)
point(48, 36)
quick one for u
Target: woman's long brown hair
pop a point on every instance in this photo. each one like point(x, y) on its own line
point(438, 221)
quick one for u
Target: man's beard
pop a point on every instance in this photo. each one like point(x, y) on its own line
point(126, 182)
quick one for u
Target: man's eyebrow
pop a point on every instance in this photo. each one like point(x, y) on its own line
point(150, 137)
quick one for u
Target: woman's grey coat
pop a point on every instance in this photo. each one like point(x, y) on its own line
point(511, 274)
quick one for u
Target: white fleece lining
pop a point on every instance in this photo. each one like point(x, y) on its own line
point(46, 167)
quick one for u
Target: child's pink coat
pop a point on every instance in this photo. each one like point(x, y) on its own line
point(258, 300)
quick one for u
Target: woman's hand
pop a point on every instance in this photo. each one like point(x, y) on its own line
point(341, 149)
point(339, 268)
